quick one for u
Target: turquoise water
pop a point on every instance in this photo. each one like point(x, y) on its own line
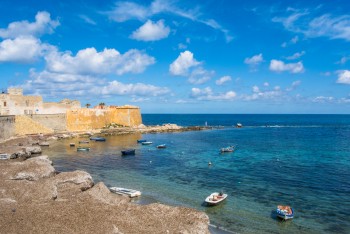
point(299, 160)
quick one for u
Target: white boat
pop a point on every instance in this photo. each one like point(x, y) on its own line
point(125, 191)
point(215, 198)
point(4, 156)
point(147, 142)
point(239, 125)
point(162, 146)
point(285, 212)
point(227, 149)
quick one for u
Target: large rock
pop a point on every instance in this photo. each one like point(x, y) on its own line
point(32, 169)
point(33, 150)
point(70, 184)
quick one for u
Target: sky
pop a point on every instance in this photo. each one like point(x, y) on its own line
point(177, 56)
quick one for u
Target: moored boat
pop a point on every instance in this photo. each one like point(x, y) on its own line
point(84, 142)
point(285, 212)
point(125, 191)
point(128, 152)
point(83, 149)
point(215, 198)
point(162, 146)
point(71, 144)
point(239, 125)
point(97, 138)
point(147, 142)
point(4, 156)
point(227, 149)
point(140, 141)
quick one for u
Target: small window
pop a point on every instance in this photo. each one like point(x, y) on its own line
point(4, 103)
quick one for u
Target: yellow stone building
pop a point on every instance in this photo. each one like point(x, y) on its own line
point(32, 115)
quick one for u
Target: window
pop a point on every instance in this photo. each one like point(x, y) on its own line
point(4, 103)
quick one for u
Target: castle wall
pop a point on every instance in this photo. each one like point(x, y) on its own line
point(25, 125)
point(7, 127)
point(87, 119)
point(55, 108)
point(56, 122)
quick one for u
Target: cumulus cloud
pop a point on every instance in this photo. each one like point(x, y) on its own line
point(43, 24)
point(280, 66)
point(53, 84)
point(223, 80)
point(89, 61)
point(294, 40)
point(255, 60)
point(296, 55)
point(207, 94)
point(24, 49)
point(151, 31)
point(186, 65)
point(200, 76)
point(258, 94)
point(139, 89)
point(326, 25)
point(127, 10)
point(183, 63)
point(343, 77)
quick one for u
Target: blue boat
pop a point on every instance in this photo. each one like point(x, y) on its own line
point(285, 212)
point(97, 139)
point(140, 141)
point(128, 152)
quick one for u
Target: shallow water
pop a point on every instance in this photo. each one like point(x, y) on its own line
point(302, 161)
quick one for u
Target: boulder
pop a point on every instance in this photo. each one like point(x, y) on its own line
point(32, 169)
point(33, 150)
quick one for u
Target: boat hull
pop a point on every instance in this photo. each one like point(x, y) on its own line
point(124, 191)
point(215, 199)
point(128, 152)
point(284, 215)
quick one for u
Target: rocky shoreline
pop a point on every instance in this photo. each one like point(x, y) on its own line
point(35, 198)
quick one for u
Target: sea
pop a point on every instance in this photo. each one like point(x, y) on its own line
point(297, 160)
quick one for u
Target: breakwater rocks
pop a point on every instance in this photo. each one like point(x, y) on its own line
point(34, 198)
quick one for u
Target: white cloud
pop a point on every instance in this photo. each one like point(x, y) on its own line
point(280, 66)
point(187, 65)
point(296, 55)
point(294, 40)
point(322, 26)
point(343, 77)
point(151, 31)
point(22, 49)
point(43, 24)
point(207, 94)
point(183, 63)
point(255, 60)
point(51, 84)
point(294, 85)
point(200, 76)
point(223, 80)
point(323, 99)
point(343, 60)
point(89, 61)
point(139, 89)
point(266, 84)
point(124, 11)
point(263, 94)
point(87, 19)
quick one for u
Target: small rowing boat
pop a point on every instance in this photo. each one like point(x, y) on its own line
point(162, 146)
point(215, 198)
point(125, 191)
point(128, 152)
point(227, 149)
point(140, 141)
point(285, 212)
point(97, 139)
point(147, 142)
point(83, 149)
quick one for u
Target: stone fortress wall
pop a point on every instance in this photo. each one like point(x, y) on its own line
point(30, 115)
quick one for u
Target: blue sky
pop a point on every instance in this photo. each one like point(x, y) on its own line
point(177, 56)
